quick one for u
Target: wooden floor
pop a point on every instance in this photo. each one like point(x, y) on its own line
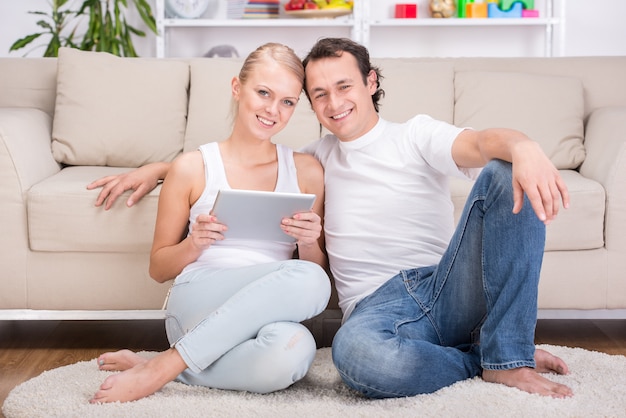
point(28, 348)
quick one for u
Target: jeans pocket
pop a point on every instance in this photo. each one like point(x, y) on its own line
point(413, 278)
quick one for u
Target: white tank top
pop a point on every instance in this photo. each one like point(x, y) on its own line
point(237, 252)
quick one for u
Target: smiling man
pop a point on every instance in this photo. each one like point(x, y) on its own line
point(426, 305)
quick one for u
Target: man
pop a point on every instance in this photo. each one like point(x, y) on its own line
point(424, 305)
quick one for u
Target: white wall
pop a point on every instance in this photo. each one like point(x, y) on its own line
point(591, 28)
point(595, 27)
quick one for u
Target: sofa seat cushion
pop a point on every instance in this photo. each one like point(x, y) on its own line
point(118, 112)
point(581, 227)
point(549, 109)
point(62, 215)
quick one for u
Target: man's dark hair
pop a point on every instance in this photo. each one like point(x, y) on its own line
point(334, 47)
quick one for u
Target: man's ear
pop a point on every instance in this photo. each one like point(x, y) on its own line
point(372, 79)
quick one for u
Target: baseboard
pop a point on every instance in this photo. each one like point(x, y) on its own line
point(581, 314)
point(323, 327)
point(76, 315)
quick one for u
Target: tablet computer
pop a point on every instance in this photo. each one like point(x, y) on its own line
point(252, 214)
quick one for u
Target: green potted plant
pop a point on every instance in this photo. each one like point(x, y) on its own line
point(106, 30)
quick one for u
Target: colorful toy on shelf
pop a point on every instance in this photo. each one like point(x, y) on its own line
point(526, 4)
point(461, 7)
point(476, 10)
point(406, 11)
point(530, 13)
point(442, 8)
point(470, 8)
point(494, 10)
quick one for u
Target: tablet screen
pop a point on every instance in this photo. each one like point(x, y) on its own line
point(252, 214)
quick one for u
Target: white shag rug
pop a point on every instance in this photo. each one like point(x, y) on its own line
point(597, 379)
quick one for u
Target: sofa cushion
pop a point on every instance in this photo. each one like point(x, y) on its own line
point(209, 100)
point(28, 83)
point(62, 215)
point(605, 138)
point(415, 86)
point(208, 122)
point(581, 227)
point(118, 111)
point(548, 109)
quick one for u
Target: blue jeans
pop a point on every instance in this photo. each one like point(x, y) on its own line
point(239, 328)
point(430, 327)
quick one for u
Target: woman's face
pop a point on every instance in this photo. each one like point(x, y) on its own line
point(267, 99)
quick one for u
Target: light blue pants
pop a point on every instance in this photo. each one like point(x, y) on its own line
point(239, 328)
point(429, 327)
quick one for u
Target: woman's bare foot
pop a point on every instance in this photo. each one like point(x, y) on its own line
point(529, 380)
point(119, 361)
point(142, 380)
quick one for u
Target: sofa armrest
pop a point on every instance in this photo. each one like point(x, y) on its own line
point(25, 153)
point(25, 159)
point(605, 139)
point(605, 144)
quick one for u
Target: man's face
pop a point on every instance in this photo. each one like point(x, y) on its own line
point(342, 103)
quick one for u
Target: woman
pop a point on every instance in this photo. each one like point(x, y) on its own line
point(234, 310)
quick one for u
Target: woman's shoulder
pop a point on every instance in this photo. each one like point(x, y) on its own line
point(187, 163)
point(310, 173)
point(306, 161)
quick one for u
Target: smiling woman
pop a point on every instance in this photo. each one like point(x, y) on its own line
point(246, 294)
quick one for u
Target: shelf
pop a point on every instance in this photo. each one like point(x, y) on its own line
point(466, 22)
point(370, 20)
point(259, 23)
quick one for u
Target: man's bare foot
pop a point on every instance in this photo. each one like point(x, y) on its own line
point(119, 361)
point(529, 380)
point(142, 380)
point(549, 363)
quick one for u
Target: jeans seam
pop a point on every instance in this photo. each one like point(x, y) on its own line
point(353, 384)
point(508, 365)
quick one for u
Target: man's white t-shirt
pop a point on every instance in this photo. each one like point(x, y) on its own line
point(387, 205)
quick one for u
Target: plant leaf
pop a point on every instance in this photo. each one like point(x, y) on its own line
point(106, 29)
point(145, 11)
point(131, 48)
point(21, 43)
point(45, 25)
point(136, 31)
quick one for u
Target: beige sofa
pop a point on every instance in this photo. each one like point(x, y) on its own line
point(65, 122)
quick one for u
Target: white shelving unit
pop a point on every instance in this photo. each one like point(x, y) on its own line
point(365, 24)
point(166, 26)
point(551, 17)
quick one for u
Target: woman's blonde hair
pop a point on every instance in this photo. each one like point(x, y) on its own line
point(282, 54)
